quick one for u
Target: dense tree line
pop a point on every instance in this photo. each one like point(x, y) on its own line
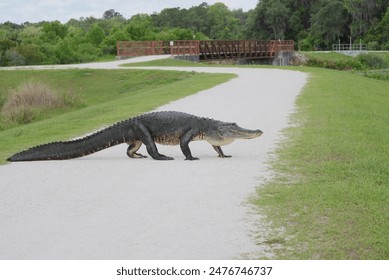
point(313, 24)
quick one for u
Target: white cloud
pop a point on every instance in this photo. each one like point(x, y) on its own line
point(63, 10)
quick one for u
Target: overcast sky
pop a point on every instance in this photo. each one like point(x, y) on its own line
point(19, 11)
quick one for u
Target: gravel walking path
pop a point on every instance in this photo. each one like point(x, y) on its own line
point(107, 206)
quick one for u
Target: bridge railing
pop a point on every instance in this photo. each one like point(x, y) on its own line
point(284, 45)
point(206, 49)
point(234, 49)
point(141, 48)
point(184, 47)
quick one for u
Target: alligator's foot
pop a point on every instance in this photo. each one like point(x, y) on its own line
point(136, 155)
point(220, 152)
point(224, 156)
point(163, 157)
point(192, 158)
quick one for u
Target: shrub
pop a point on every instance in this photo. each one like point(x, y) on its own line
point(373, 61)
point(373, 46)
point(336, 64)
point(31, 99)
point(381, 74)
point(13, 58)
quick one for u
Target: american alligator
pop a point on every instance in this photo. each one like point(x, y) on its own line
point(168, 128)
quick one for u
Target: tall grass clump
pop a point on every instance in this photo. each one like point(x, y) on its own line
point(373, 61)
point(31, 100)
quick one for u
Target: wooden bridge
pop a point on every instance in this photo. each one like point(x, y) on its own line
point(207, 49)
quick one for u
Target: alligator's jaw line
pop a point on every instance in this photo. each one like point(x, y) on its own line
point(166, 128)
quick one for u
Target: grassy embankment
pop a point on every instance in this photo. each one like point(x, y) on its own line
point(107, 96)
point(331, 192)
point(330, 195)
point(373, 65)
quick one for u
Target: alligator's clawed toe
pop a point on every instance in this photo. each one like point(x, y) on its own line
point(192, 158)
point(163, 157)
point(137, 155)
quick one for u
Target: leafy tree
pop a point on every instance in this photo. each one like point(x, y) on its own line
point(312, 23)
point(117, 33)
point(300, 18)
point(96, 35)
point(111, 13)
point(64, 52)
point(30, 34)
point(277, 18)
point(198, 19)
point(224, 24)
point(53, 31)
point(140, 28)
point(170, 18)
point(13, 57)
point(383, 28)
point(6, 44)
point(83, 23)
point(329, 23)
point(31, 54)
point(379, 33)
point(364, 13)
point(255, 23)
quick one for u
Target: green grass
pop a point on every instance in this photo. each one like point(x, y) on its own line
point(331, 191)
point(328, 56)
point(108, 96)
point(380, 74)
point(383, 54)
point(336, 57)
point(362, 62)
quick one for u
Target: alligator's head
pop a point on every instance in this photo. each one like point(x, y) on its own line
point(224, 133)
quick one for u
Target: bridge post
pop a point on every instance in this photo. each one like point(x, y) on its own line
point(284, 50)
point(282, 58)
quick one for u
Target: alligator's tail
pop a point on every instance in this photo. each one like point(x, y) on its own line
point(98, 141)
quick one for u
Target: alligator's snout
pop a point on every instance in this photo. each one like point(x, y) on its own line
point(254, 134)
point(233, 131)
point(243, 133)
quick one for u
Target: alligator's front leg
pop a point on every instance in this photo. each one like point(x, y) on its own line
point(219, 150)
point(145, 137)
point(184, 144)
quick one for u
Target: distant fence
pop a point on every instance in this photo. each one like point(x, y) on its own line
point(206, 49)
point(350, 49)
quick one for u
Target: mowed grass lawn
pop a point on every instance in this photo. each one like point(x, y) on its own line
point(330, 196)
point(107, 96)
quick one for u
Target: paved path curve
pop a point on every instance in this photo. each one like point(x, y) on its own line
point(107, 206)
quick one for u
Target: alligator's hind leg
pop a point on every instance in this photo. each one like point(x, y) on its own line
point(219, 150)
point(145, 137)
point(132, 149)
